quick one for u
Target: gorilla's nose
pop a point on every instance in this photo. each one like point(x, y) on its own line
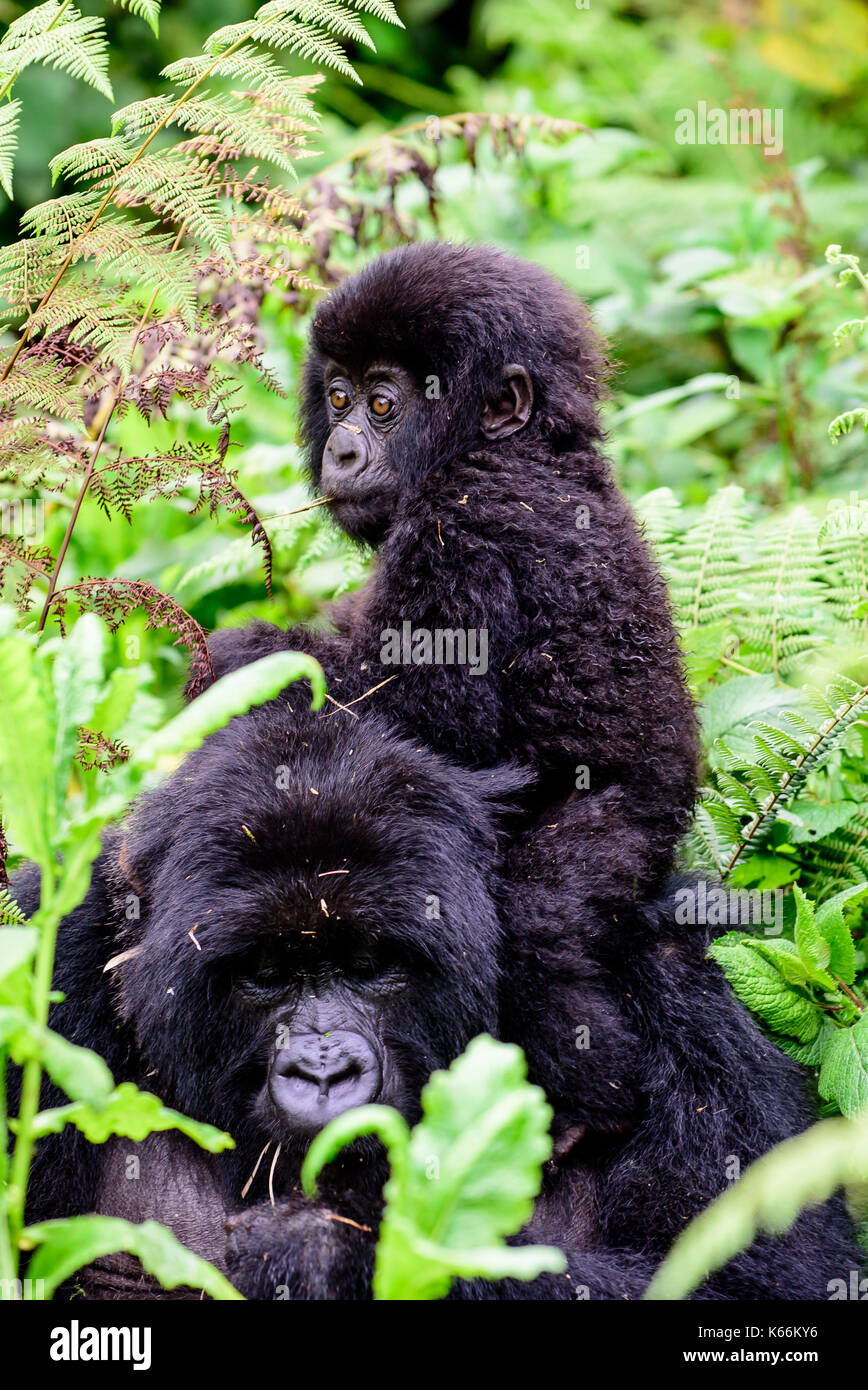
point(345, 453)
point(319, 1075)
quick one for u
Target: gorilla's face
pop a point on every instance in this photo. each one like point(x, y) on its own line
point(318, 927)
point(375, 414)
point(365, 409)
point(328, 1005)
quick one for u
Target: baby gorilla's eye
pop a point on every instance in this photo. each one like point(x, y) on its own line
point(381, 405)
point(338, 399)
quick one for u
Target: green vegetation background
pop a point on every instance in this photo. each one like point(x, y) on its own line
point(704, 265)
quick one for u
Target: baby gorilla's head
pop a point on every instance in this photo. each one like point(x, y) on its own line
point(317, 925)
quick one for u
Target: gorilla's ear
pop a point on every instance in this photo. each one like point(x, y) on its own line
point(511, 410)
point(136, 853)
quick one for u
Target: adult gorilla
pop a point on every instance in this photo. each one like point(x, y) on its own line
point(304, 919)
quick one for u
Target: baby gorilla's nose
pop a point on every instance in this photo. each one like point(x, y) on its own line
point(316, 1076)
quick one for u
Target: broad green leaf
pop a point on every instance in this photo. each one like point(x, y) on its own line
point(17, 947)
point(26, 750)
point(830, 922)
point(133, 1114)
point(76, 1070)
point(844, 1073)
point(65, 1246)
point(382, 1120)
point(762, 988)
point(785, 956)
point(485, 1132)
point(770, 1195)
point(78, 676)
point(233, 694)
point(812, 947)
point(810, 1054)
point(466, 1178)
point(116, 701)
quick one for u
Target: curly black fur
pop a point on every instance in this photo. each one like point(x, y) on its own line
point(233, 849)
point(583, 664)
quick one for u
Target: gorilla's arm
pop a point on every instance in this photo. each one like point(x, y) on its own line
point(298, 1249)
point(579, 676)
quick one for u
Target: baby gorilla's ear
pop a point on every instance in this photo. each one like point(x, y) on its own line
point(511, 410)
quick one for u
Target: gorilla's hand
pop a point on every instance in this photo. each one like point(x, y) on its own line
point(298, 1249)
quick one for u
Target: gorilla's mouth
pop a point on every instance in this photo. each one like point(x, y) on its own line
point(317, 1077)
point(363, 516)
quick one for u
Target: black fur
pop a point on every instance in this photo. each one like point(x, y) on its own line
point(239, 849)
point(583, 664)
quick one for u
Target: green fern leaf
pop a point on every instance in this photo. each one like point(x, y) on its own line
point(149, 10)
point(9, 114)
point(69, 41)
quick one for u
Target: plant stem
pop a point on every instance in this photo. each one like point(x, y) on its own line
point(8, 1261)
point(32, 1075)
point(850, 995)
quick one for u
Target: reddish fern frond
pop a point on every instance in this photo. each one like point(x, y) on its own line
point(115, 599)
point(362, 204)
point(22, 563)
point(96, 750)
point(129, 480)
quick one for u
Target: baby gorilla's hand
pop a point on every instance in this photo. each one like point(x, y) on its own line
point(298, 1249)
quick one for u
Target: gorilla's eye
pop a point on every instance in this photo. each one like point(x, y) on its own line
point(338, 399)
point(381, 405)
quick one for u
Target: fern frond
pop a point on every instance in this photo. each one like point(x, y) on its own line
point(313, 44)
point(9, 114)
point(81, 308)
point(257, 70)
point(838, 859)
point(329, 14)
point(851, 328)
point(236, 130)
point(781, 620)
point(176, 188)
point(42, 388)
point(131, 250)
point(70, 41)
point(843, 542)
point(65, 217)
point(149, 10)
point(706, 571)
point(97, 157)
point(659, 512)
point(775, 775)
point(850, 420)
point(380, 9)
point(10, 913)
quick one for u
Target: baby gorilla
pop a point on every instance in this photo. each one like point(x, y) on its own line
point(304, 918)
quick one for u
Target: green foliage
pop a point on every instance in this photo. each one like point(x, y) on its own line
point(153, 363)
point(51, 693)
point(801, 991)
point(62, 1247)
point(463, 1179)
point(113, 284)
point(771, 1194)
